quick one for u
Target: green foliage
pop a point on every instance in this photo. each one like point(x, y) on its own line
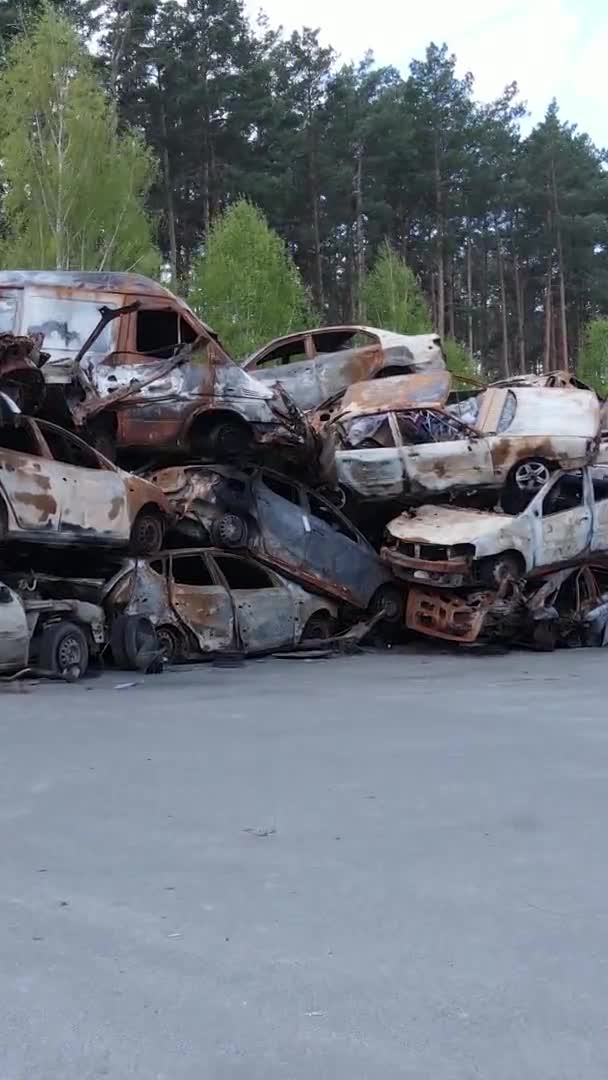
point(246, 284)
point(74, 185)
point(457, 359)
point(593, 356)
point(392, 297)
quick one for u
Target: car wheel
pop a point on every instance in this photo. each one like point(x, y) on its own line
point(523, 483)
point(544, 636)
point(147, 533)
point(496, 569)
point(134, 643)
point(223, 440)
point(229, 531)
point(391, 600)
point(169, 644)
point(319, 627)
point(64, 650)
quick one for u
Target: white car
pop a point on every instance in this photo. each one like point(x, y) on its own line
point(396, 439)
point(56, 637)
point(566, 522)
point(55, 489)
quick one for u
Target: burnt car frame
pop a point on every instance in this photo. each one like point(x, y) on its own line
point(56, 489)
point(203, 601)
point(314, 365)
point(133, 367)
point(399, 440)
point(284, 524)
point(445, 546)
point(53, 637)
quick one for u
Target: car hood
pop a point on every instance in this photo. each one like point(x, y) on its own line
point(446, 525)
point(395, 394)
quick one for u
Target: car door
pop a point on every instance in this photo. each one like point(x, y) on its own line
point(373, 465)
point(440, 454)
point(264, 607)
point(29, 482)
point(200, 601)
point(566, 522)
point(94, 493)
point(599, 483)
point(282, 520)
point(338, 558)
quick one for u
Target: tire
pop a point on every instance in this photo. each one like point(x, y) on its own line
point(392, 600)
point(229, 531)
point(147, 533)
point(223, 439)
point(134, 642)
point(169, 644)
point(319, 627)
point(544, 636)
point(117, 643)
point(496, 569)
point(63, 650)
point(523, 482)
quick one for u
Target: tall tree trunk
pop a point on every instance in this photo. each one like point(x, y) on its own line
point(359, 236)
point(469, 292)
point(503, 308)
point(440, 250)
point(450, 299)
point(318, 293)
point(519, 301)
point(168, 185)
point(484, 296)
point(565, 357)
point(548, 317)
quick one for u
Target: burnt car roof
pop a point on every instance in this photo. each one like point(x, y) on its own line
point(395, 394)
point(104, 281)
point(347, 331)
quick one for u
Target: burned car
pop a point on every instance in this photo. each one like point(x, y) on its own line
point(564, 524)
point(568, 607)
point(51, 637)
point(398, 439)
point(314, 365)
point(20, 376)
point(203, 601)
point(285, 524)
point(136, 371)
point(55, 489)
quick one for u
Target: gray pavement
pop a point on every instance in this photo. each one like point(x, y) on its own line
point(374, 867)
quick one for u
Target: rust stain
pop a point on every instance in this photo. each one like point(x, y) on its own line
point(44, 503)
point(115, 507)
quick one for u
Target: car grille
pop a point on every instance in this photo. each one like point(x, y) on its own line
point(428, 552)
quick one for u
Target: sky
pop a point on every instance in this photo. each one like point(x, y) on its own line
point(551, 48)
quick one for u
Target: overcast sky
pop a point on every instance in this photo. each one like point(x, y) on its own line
point(552, 48)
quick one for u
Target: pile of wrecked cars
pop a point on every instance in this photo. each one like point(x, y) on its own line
point(161, 502)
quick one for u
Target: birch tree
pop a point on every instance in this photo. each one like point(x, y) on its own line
point(74, 186)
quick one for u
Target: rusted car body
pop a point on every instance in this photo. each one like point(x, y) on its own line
point(397, 439)
point(20, 375)
point(134, 368)
point(564, 524)
point(204, 600)
point(55, 489)
point(283, 523)
point(315, 365)
point(50, 636)
point(567, 606)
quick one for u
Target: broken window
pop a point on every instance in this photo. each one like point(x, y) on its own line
point(19, 437)
point(8, 313)
point(600, 490)
point(321, 510)
point(566, 494)
point(427, 426)
point(368, 433)
point(287, 353)
point(66, 324)
point(242, 574)
point(190, 570)
point(66, 448)
point(160, 331)
point(282, 488)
